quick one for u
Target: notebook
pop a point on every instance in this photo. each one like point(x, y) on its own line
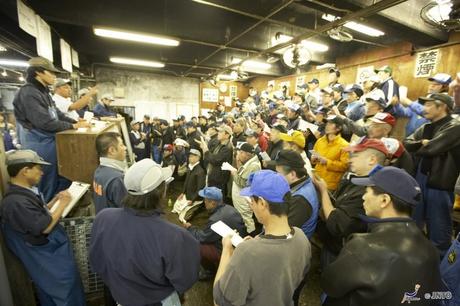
point(76, 190)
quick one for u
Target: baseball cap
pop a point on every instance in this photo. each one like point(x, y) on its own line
point(443, 98)
point(43, 63)
point(441, 78)
point(377, 97)
point(246, 147)
point(394, 181)
point(295, 137)
point(394, 146)
point(279, 127)
point(108, 97)
point(168, 147)
point(134, 122)
point(338, 88)
point(314, 81)
point(251, 133)
point(293, 106)
point(212, 193)
point(225, 128)
point(385, 68)
point(164, 122)
point(195, 152)
point(190, 124)
point(289, 158)
point(181, 142)
point(268, 185)
point(15, 157)
point(356, 89)
point(144, 176)
point(372, 77)
point(60, 82)
point(368, 143)
point(384, 118)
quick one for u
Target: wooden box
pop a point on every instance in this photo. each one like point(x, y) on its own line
point(76, 153)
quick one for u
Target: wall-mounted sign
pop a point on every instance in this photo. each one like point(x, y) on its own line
point(26, 18)
point(299, 81)
point(363, 72)
point(75, 60)
point(233, 91)
point(44, 44)
point(210, 95)
point(426, 62)
point(66, 55)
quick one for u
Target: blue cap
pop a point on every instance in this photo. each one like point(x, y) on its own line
point(441, 78)
point(268, 185)
point(212, 193)
point(394, 181)
point(357, 89)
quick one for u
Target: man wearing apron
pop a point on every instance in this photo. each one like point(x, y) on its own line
point(33, 234)
point(38, 121)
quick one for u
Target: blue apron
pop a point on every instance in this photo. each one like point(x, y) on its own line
point(44, 144)
point(51, 267)
point(450, 271)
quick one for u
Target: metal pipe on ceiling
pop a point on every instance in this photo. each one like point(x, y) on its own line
point(277, 10)
point(278, 22)
point(367, 11)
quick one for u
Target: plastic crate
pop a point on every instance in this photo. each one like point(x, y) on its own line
point(79, 232)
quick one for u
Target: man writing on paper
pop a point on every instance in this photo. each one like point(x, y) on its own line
point(33, 234)
point(267, 269)
point(210, 242)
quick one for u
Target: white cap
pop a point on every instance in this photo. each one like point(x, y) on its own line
point(144, 176)
point(108, 97)
point(181, 142)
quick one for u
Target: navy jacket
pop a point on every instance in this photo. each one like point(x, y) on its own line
point(31, 109)
point(108, 188)
point(101, 110)
point(142, 258)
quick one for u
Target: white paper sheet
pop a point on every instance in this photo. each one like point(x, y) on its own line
point(265, 156)
point(227, 167)
point(76, 190)
point(224, 230)
point(304, 125)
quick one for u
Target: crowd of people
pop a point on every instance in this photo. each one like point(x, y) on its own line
point(281, 171)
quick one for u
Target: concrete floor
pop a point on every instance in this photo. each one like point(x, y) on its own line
point(201, 293)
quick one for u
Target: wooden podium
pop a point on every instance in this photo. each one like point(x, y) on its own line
point(76, 152)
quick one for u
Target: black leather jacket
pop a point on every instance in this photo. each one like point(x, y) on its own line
point(440, 158)
point(379, 267)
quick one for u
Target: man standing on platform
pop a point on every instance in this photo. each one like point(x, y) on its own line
point(38, 121)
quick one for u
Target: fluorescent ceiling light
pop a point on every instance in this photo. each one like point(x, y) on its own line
point(136, 62)
point(13, 63)
point(252, 64)
point(138, 37)
point(227, 77)
point(2, 49)
point(311, 45)
point(358, 27)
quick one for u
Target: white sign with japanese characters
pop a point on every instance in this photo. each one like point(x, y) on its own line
point(425, 63)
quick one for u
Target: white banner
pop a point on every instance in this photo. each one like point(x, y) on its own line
point(44, 44)
point(66, 55)
point(363, 72)
point(26, 18)
point(75, 60)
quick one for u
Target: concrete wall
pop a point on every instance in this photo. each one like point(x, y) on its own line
point(154, 94)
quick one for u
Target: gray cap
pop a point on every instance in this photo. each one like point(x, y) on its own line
point(62, 82)
point(15, 157)
point(144, 176)
point(43, 63)
point(225, 128)
point(108, 97)
point(195, 152)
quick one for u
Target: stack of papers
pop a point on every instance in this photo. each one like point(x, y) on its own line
point(76, 190)
point(224, 230)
